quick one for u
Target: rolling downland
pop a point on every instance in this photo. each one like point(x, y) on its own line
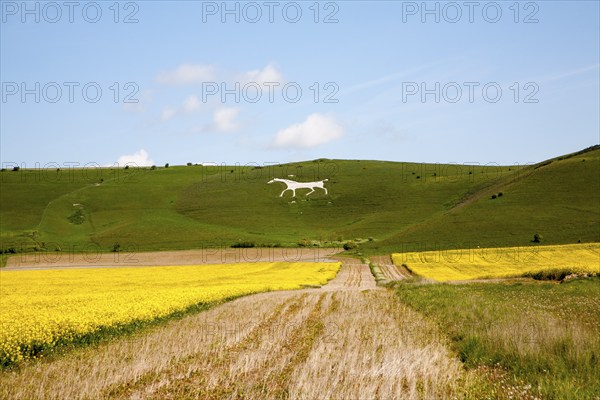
point(383, 207)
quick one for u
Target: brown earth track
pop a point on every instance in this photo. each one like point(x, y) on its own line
point(391, 271)
point(394, 273)
point(52, 260)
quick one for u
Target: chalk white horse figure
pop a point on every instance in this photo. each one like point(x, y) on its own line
point(293, 185)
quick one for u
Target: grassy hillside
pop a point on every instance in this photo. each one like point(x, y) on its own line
point(391, 203)
point(558, 199)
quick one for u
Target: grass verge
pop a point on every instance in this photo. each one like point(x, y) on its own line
point(377, 273)
point(531, 340)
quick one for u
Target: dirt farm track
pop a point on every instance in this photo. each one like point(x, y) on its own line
point(51, 260)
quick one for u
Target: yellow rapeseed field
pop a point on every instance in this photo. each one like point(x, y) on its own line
point(39, 309)
point(476, 263)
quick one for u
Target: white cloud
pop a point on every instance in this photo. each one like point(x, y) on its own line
point(140, 158)
point(224, 119)
point(191, 104)
point(316, 130)
point(260, 76)
point(167, 113)
point(187, 74)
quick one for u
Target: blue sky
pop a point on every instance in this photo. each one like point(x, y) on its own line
point(378, 80)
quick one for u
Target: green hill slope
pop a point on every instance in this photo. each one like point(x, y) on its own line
point(391, 203)
point(558, 199)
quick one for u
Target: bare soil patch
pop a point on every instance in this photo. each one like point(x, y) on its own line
point(50, 260)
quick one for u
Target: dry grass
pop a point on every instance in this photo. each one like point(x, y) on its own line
point(393, 272)
point(381, 350)
point(535, 340)
point(338, 342)
point(385, 271)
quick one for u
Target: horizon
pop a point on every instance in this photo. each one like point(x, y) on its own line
point(265, 164)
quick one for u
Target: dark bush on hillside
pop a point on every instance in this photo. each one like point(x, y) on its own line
point(189, 164)
point(153, 167)
point(500, 194)
point(16, 168)
point(493, 196)
point(77, 217)
point(127, 167)
point(550, 275)
point(543, 164)
point(418, 176)
point(3, 169)
point(167, 165)
point(537, 238)
point(243, 245)
point(116, 248)
point(350, 245)
point(10, 250)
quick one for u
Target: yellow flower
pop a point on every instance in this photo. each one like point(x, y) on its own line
point(41, 308)
point(447, 265)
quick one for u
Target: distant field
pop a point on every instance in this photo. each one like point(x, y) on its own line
point(43, 309)
point(478, 263)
